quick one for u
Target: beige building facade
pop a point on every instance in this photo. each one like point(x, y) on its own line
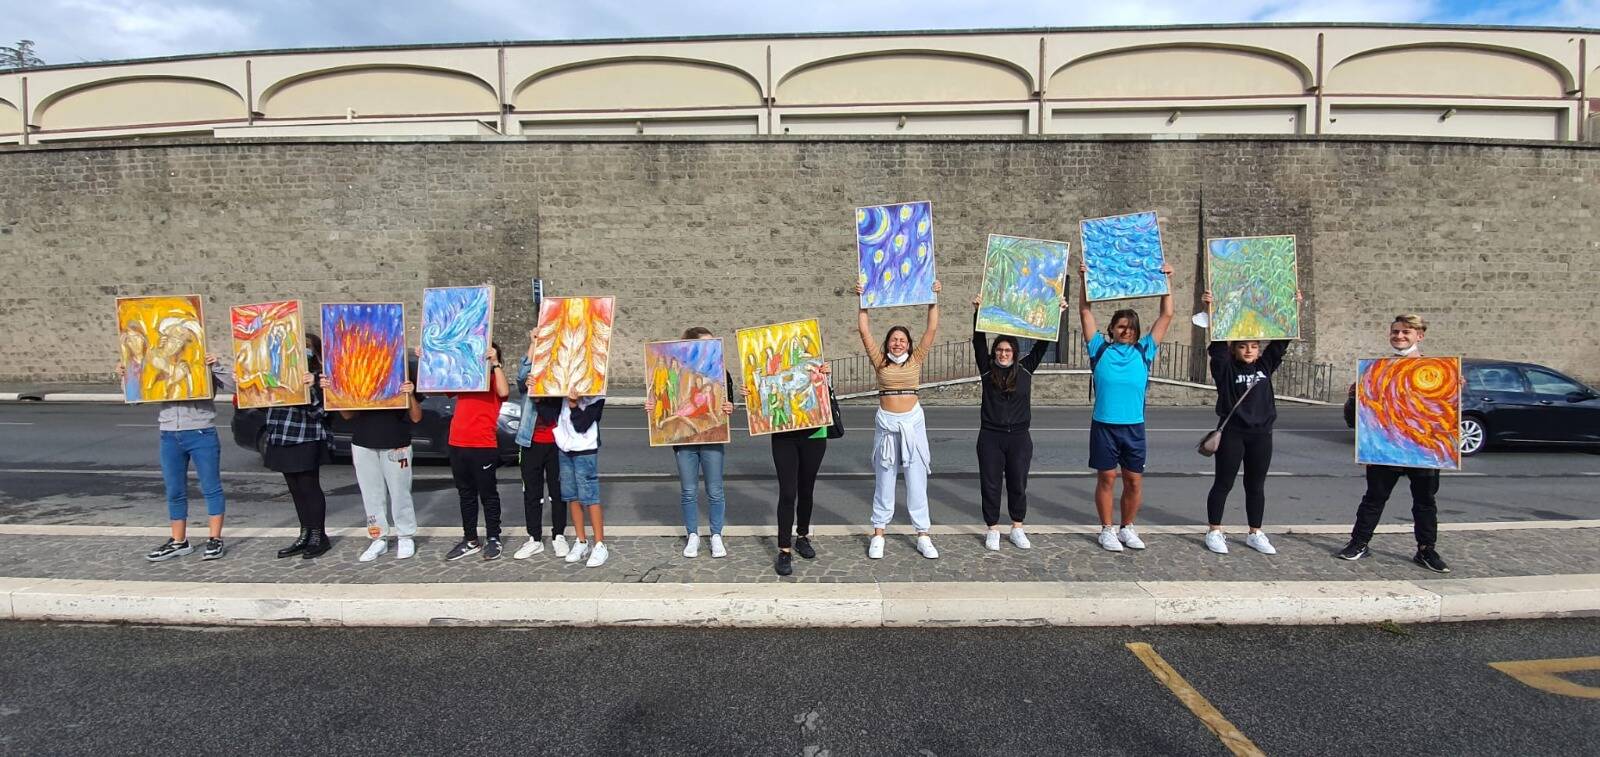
point(1499, 83)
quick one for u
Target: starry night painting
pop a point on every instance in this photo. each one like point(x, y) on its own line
point(895, 243)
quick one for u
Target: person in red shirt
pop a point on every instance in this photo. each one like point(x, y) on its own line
point(474, 456)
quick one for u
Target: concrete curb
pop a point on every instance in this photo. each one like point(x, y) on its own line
point(945, 604)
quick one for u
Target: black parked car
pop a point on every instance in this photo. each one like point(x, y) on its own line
point(429, 437)
point(1507, 402)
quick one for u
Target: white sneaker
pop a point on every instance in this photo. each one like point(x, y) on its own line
point(991, 541)
point(717, 549)
point(1258, 540)
point(578, 551)
point(598, 557)
point(377, 547)
point(1128, 537)
point(1216, 542)
point(404, 548)
point(558, 545)
point(1020, 539)
point(1108, 540)
point(533, 547)
point(692, 549)
point(925, 546)
point(875, 548)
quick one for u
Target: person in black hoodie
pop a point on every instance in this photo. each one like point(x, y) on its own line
point(1241, 367)
point(1005, 448)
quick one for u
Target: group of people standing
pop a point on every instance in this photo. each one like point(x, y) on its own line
point(559, 443)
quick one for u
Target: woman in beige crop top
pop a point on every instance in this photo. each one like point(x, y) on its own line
point(899, 368)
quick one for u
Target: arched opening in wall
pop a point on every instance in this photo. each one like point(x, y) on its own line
point(1446, 70)
point(638, 84)
point(10, 118)
point(912, 76)
point(143, 101)
point(378, 91)
point(1178, 71)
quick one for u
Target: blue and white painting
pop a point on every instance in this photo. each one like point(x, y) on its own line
point(895, 243)
point(1124, 257)
point(455, 338)
point(1024, 283)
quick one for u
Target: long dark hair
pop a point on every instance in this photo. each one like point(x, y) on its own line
point(314, 359)
point(1133, 318)
point(1005, 379)
point(911, 348)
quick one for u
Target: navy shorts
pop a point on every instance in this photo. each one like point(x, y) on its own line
point(1115, 445)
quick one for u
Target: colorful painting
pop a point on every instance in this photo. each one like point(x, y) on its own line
point(1024, 284)
point(1254, 283)
point(269, 355)
point(456, 324)
point(572, 346)
point(364, 355)
point(895, 244)
point(779, 365)
point(1124, 257)
point(162, 340)
point(1408, 412)
point(687, 380)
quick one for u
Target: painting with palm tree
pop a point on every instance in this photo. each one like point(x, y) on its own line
point(1024, 283)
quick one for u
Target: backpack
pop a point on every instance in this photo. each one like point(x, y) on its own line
point(1094, 360)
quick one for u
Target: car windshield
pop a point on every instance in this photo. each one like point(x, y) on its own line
point(1494, 379)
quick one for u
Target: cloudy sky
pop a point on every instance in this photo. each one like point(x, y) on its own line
point(71, 31)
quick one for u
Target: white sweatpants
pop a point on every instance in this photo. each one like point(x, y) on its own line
point(385, 479)
point(900, 443)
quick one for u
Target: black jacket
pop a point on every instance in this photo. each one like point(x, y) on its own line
point(1004, 412)
point(1260, 409)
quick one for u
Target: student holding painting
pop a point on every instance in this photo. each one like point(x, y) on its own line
point(539, 459)
point(577, 435)
point(380, 450)
point(1120, 361)
point(297, 447)
point(900, 436)
point(1005, 448)
point(189, 434)
point(474, 456)
point(694, 460)
point(797, 457)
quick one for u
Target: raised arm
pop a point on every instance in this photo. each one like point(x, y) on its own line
point(980, 350)
point(1085, 313)
point(1035, 356)
point(497, 375)
point(864, 325)
point(1158, 332)
point(930, 335)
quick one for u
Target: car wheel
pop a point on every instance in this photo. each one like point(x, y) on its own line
point(1474, 437)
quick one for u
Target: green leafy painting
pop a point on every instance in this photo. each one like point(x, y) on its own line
point(1253, 281)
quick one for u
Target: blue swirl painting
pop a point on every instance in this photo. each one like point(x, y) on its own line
point(1124, 257)
point(455, 338)
point(895, 243)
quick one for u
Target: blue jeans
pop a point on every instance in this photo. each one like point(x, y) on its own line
point(178, 448)
point(693, 460)
point(580, 477)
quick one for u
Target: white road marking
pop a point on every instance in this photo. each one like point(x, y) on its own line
point(136, 425)
point(16, 423)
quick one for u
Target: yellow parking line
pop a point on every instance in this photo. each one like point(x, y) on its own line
point(1231, 737)
point(1542, 675)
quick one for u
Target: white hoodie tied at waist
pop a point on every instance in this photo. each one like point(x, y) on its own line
point(910, 429)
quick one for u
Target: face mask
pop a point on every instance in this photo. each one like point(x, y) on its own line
point(901, 358)
point(1407, 352)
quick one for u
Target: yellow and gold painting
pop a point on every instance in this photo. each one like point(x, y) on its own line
point(162, 341)
point(572, 346)
point(781, 366)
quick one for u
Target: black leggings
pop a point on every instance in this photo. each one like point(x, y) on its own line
point(541, 472)
point(1254, 450)
point(310, 506)
point(797, 461)
point(1004, 458)
point(473, 470)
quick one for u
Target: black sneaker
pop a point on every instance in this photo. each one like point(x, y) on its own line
point(169, 550)
point(1429, 558)
point(492, 549)
point(785, 564)
point(466, 547)
point(213, 550)
point(1353, 551)
point(802, 546)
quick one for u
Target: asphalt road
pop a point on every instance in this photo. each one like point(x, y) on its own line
point(1416, 690)
point(96, 464)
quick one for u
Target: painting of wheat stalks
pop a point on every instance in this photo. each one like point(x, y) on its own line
point(456, 324)
point(163, 348)
point(269, 354)
point(572, 346)
point(364, 355)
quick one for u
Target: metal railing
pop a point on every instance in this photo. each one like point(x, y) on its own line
point(1175, 361)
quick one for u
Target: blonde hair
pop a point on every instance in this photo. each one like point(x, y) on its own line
point(1412, 321)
